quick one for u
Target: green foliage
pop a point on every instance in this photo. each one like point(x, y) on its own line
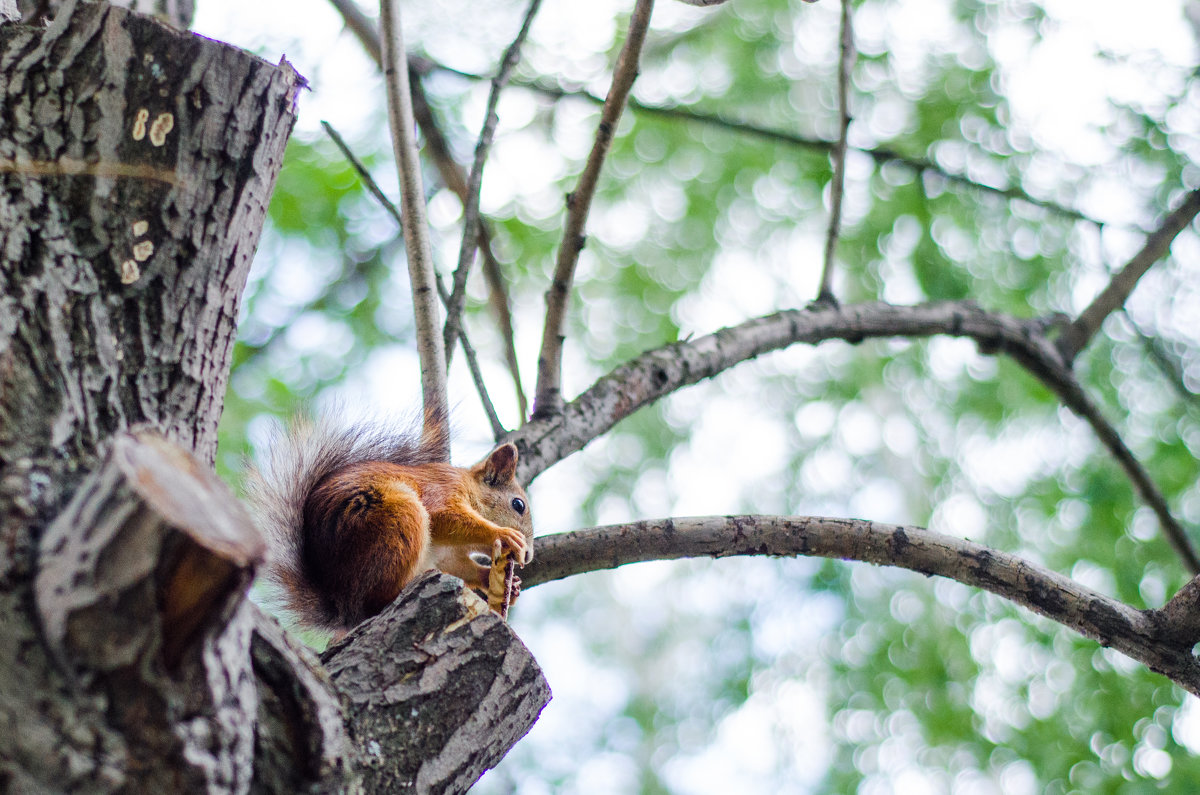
point(670, 673)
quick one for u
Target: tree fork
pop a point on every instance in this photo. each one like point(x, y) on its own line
point(136, 164)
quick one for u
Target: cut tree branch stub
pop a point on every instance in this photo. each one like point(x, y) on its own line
point(437, 685)
point(141, 592)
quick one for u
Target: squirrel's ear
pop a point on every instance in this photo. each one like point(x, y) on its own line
point(501, 465)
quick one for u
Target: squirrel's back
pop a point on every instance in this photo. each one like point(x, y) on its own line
point(303, 455)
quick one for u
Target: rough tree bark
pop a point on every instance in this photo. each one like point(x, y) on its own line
point(136, 162)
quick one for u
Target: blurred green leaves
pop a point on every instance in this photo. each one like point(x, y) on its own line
point(885, 677)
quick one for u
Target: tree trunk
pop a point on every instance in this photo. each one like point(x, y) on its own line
point(136, 163)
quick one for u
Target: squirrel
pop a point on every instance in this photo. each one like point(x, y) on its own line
point(353, 514)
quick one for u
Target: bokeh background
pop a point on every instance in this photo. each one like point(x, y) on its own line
point(1012, 152)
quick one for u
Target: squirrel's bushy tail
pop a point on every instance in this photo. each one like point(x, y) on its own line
point(301, 455)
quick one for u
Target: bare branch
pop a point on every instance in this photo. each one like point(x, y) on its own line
point(415, 225)
point(471, 203)
point(373, 188)
point(448, 169)
point(838, 185)
point(1076, 336)
point(501, 305)
point(880, 155)
point(547, 399)
point(1112, 623)
point(657, 373)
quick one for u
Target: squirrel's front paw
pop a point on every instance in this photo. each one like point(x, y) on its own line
point(514, 542)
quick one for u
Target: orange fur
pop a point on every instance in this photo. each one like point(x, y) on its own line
point(352, 514)
point(371, 527)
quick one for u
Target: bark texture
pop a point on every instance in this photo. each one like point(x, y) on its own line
point(437, 688)
point(140, 595)
point(177, 13)
point(136, 163)
point(1160, 639)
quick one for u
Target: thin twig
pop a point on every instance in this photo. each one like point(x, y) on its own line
point(415, 225)
point(498, 429)
point(475, 180)
point(547, 398)
point(452, 175)
point(373, 188)
point(880, 155)
point(1076, 336)
point(1068, 388)
point(1165, 362)
point(660, 372)
point(838, 185)
point(438, 150)
point(1139, 634)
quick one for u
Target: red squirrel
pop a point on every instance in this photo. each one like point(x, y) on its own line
point(352, 515)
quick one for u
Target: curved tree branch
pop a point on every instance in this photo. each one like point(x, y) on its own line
point(1139, 634)
point(1077, 335)
point(547, 399)
point(657, 373)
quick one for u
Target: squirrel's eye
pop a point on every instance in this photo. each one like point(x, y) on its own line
point(518, 505)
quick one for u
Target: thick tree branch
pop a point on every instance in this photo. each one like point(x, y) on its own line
point(471, 203)
point(1138, 634)
point(437, 689)
point(1077, 335)
point(657, 373)
point(547, 400)
point(415, 225)
point(838, 184)
point(119, 298)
